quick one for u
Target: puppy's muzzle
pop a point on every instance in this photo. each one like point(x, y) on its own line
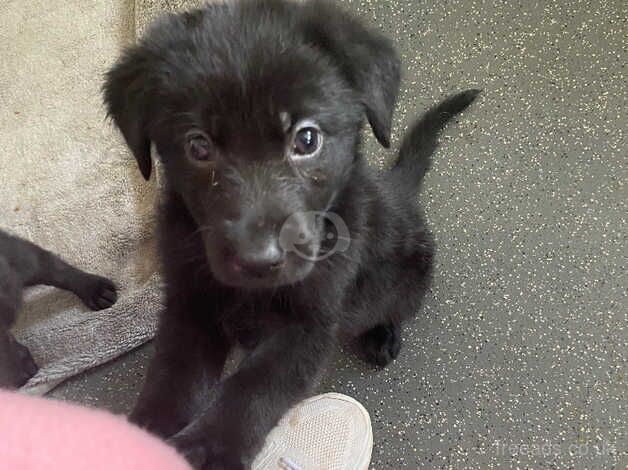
point(259, 257)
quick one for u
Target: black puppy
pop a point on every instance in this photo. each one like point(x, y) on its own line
point(274, 231)
point(24, 264)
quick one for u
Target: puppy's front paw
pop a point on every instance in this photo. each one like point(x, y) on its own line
point(98, 292)
point(205, 453)
point(158, 420)
point(25, 362)
point(17, 367)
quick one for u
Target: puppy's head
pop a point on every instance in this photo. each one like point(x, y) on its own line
point(255, 108)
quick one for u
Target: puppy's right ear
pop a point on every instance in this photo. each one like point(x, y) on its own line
point(125, 90)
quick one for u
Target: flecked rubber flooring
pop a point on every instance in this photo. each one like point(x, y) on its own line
point(519, 357)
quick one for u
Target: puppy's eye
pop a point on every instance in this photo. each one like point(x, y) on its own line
point(308, 140)
point(198, 147)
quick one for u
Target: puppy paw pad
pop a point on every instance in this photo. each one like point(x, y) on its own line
point(100, 294)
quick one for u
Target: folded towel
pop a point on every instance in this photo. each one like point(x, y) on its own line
point(68, 183)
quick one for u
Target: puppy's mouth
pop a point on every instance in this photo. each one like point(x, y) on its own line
point(231, 270)
point(234, 274)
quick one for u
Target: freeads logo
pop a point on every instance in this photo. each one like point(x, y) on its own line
point(294, 238)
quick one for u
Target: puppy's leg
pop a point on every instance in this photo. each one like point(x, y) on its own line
point(38, 266)
point(16, 362)
point(10, 293)
point(277, 374)
point(188, 362)
point(389, 293)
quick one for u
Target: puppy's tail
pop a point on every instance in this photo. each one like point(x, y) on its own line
point(421, 141)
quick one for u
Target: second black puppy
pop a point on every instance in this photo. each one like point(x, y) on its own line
point(24, 264)
point(274, 231)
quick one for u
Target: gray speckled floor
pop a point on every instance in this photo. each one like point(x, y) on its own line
point(519, 357)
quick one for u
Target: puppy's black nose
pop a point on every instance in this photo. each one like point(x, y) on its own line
point(260, 262)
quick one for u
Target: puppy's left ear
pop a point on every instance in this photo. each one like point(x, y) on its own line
point(366, 58)
point(125, 91)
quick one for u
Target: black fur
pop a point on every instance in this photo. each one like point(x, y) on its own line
point(423, 138)
point(242, 75)
point(23, 264)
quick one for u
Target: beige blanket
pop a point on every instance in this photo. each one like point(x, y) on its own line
point(147, 10)
point(68, 183)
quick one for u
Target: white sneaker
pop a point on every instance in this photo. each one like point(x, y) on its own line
point(325, 432)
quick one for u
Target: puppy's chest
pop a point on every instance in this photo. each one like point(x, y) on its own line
point(249, 324)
